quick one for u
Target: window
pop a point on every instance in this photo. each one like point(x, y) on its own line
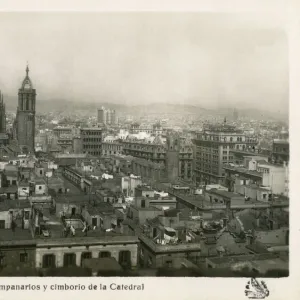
point(49, 261)
point(40, 187)
point(23, 257)
point(69, 259)
point(41, 172)
point(143, 203)
point(169, 263)
point(2, 260)
point(85, 255)
point(125, 258)
point(94, 222)
point(26, 215)
point(2, 224)
point(103, 254)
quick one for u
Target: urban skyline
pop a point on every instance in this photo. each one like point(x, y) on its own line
point(158, 189)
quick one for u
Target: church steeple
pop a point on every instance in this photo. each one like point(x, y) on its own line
point(25, 121)
point(27, 84)
point(2, 114)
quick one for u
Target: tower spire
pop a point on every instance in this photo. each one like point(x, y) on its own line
point(27, 69)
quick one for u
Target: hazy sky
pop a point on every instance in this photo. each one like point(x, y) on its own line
point(197, 58)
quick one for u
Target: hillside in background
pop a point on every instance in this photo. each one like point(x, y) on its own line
point(61, 105)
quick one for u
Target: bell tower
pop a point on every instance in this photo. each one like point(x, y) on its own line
point(26, 115)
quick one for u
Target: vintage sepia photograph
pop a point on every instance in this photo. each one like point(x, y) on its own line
point(144, 144)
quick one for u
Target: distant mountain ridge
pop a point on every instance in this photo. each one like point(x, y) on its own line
point(154, 108)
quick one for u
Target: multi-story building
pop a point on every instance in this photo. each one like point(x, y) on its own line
point(259, 174)
point(235, 115)
point(62, 130)
point(31, 242)
point(25, 119)
point(112, 145)
point(65, 143)
point(148, 169)
point(212, 151)
point(153, 150)
point(155, 129)
point(281, 151)
point(91, 139)
point(106, 116)
point(240, 155)
point(177, 158)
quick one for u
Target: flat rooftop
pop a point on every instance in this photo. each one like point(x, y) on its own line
point(105, 238)
point(144, 188)
point(223, 193)
point(280, 141)
point(8, 204)
point(242, 258)
point(243, 170)
point(75, 198)
point(17, 237)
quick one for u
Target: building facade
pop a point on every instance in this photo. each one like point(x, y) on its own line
point(2, 115)
point(71, 252)
point(112, 146)
point(106, 116)
point(281, 151)
point(212, 151)
point(91, 139)
point(176, 158)
point(25, 119)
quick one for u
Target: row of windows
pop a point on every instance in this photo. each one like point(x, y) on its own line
point(105, 146)
point(92, 140)
point(23, 258)
point(207, 156)
point(281, 149)
point(110, 152)
point(91, 146)
point(49, 260)
point(95, 153)
point(221, 138)
point(208, 161)
point(91, 132)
